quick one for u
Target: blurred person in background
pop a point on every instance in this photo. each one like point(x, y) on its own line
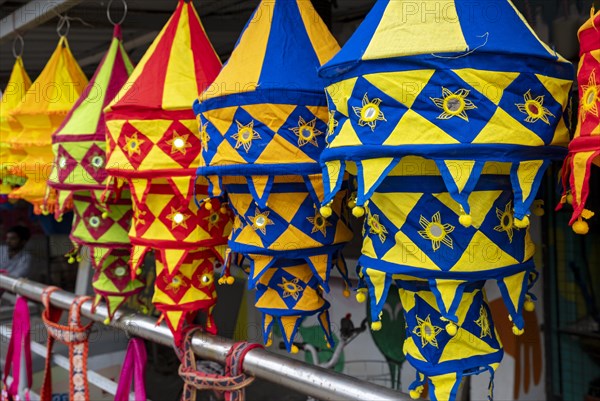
point(13, 256)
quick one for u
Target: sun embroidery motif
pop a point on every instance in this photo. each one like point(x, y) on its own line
point(204, 137)
point(454, 104)
point(376, 227)
point(175, 284)
point(369, 113)
point(245, 135)
point(179, 143)
point(484, 323)
point(507, 219)
point(212, 220)
point(306, 132)
point(319, 223)
point(260, 221)
point(436, 232)
point(177, 218)
point(427, 331)
point(290, 288)
point(133, 144)
point(590, 97)
point(534, 108)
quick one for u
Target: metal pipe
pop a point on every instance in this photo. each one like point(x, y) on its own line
point(308, 379)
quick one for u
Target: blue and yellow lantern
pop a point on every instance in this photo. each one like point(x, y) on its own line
point(262, 125)
point(448, 117)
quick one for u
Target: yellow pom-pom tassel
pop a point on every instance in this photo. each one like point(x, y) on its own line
point(570, 198)
point(221, 281)
point(45, 212)
point(361, 296)
point(294, 349)
point(230, 280)
point(106, 321)
point(581, 227)
point(104, 215)
point(517, 331)
point(326, 211)
point(71, 260)
point(416, 393)
point(529, 305)
point(351, 203)
point(522, 223)
point(451, 329)
point(78, 258)
point(376, 326)
point(59, 219)
point(269, 342)
point(358, 211)
point(138, 271)
point(465, 220)
point(223, 210)
point(346, 293)
point(208, 205)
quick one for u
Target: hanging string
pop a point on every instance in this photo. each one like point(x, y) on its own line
point(124, 13)
point(21, 44)
point(63, 22)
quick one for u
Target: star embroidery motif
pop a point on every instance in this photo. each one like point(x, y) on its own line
point(534, 108)
point(290, 288)
point(590, 97)
point(133, 144)
point(245, 135)
point(179, 143)
point(454, 104)
point(212, 220)
point(306, 132)
point(376, 227)
point(260, 221)
point(427, 331)
point(319, 223)
point(177, 218)
point(204, 137)
point(507, 219)
point(436, 232)
point(175, 284)
point(370, 112)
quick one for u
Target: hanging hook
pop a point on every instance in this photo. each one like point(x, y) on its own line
point(124, 12)
point(21, 44)
point(63, 22)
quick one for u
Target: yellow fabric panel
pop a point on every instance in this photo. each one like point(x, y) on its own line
point(193, 295)
point(407, 253)
point(465, 304)
point(491, 84)
point(579, 171)
point(403, 86)
point(562, 135)
point(271, 300)
point(320, 37)
point(346, 137)
point(460, 170)
point(174, 317)
point(496, 168)
point(321, 265)
point(241, 202)
point(267, 321)
point(394, 211)
point(180, 88)
point(503, 128)
point(137, 254)
point(293, 238)
point(411, 348)
point(272, 115)
point(114, 301)
point(138, 187)
point(184, 185)
point(373, 170)
point(529, 247)
point(483, 252)
point(526, 173)
point(286, 204)
point(249, 53)
point(514, 283)
point(278, 147)
point(260, 263)
point(309, 301)
point(448, 290)
point(343, 233)
point(317, 183)
point(249, 236)
point(18, 84)
point(479, 201)
point(321, 112)
point(463, 344)
point(416, 30)
point(378, 280)
point(407, 298)
point(340, 93)
point(226, 154)
point(67, 83)
point(172, 257)
point(153, 129)
point(288, 323)
point(221, 118)
point(415, 129)
point(443, 384)
point(333, 168)
point(415, 166)
point(367, 248)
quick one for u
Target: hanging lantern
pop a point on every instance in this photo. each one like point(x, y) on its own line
point(585, 147)
point(79, 177)
point(153, 146)
point(448, 119)
point(18, 84)
point(41, 112)
point(262, 125)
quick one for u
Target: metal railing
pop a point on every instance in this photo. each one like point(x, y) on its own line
point(308, 379)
